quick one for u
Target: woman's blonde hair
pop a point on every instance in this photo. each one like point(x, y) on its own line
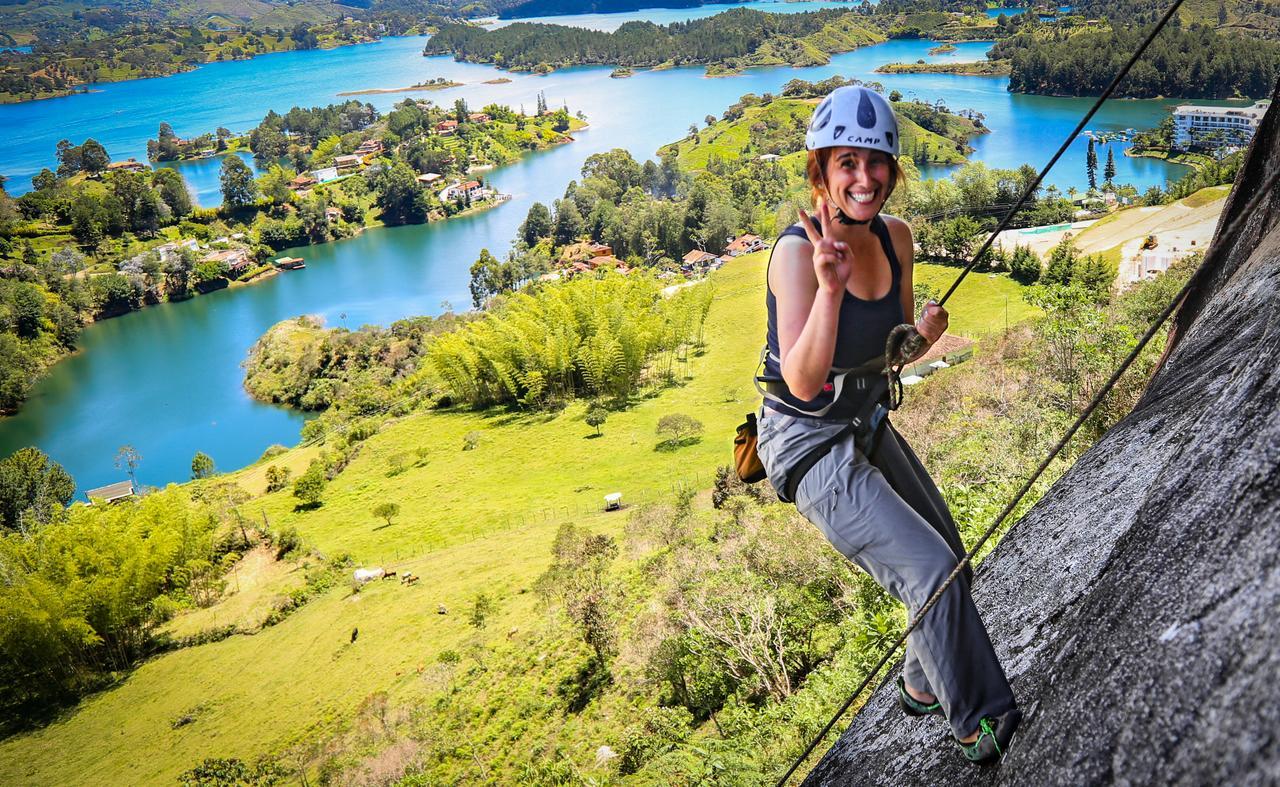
point(816, 167)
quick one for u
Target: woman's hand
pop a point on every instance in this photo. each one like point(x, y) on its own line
point(832, 260)
point(933, 322)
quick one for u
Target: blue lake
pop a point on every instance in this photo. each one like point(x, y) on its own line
point(168, 379)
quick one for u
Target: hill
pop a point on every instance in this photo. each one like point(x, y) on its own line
point(287, 689)
point(778, 127)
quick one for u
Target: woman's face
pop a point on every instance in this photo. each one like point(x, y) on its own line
point(858, 180)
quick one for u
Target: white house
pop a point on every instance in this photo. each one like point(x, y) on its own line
point(1235, 125)
point(324, 175)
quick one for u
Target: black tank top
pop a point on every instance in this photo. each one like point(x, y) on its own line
point(864, 325)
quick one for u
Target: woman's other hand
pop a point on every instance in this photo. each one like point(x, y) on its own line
point(832, 260)
point(933, 322)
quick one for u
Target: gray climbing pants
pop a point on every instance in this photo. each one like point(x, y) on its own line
point(886, 515)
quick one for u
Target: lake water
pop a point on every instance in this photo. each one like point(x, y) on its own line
point(167, 380)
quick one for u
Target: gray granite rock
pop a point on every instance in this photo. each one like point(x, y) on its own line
point(1137, 607)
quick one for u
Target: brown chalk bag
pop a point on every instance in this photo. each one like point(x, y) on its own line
point(745, 459)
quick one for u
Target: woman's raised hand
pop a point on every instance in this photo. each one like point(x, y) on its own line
point(832, 260)
point(933, 322)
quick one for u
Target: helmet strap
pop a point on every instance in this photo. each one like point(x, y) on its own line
point(848, 222)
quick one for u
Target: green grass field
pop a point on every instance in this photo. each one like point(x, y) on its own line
point(473, 520)
point(727, 139)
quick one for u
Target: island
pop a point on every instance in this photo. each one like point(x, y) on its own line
point(99, 238)
point(979, 68)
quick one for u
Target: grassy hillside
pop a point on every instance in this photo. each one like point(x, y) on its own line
point(729, 139)
point(470, 521)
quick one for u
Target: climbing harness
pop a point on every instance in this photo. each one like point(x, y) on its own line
point(861, 398)
point(905, 340)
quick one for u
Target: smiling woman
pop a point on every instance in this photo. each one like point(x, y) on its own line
point(840, 285)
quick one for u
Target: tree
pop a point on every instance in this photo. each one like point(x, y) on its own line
point(1025, 265)
point(274, 184)
point(44, 180)
point(678, 427)
point(486, 279)
point(68, 159)
point(32, 485)
point(128, 458)
point(482, 606)
point(1109, 171)
point(1062, 263)
point(398, 194)
point(960, 236)
point(165, 146)
point(710, 120)
point(277, 477)
point(238, 189)
point(596, 416)
point(568, 224)
point(537, 224)
point(173, 190)
point(93, 157)
point(1091, 164)
point(578, 580)
point(387, 511)
point(309, 488)
point(202, 466)
point(718, 226)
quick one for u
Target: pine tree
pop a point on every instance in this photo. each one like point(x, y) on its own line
point(1091, 165)
point(1109, 172)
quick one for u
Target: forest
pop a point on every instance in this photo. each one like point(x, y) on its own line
point(1192, 62)
point(733, 36)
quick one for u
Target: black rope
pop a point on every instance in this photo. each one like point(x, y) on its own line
point(1192, 281)
point(1004, 223)
point(1066, 438)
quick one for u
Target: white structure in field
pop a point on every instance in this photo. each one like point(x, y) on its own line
point(1234, 126)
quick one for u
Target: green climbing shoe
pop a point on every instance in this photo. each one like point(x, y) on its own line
point(914, 707)
point(994, 734)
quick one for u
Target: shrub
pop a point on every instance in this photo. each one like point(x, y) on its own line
point(679, 428)
point(387, 511)
point(273, 450)
point(309, 488)
point(471, 441)
point(202, 465)
point(596, 416)
point(287, 541)
point(277, 478)
point(1025, 265)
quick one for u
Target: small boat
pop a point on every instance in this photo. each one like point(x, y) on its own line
point(290, 263)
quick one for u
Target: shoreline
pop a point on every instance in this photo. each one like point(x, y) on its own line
point(373, 91)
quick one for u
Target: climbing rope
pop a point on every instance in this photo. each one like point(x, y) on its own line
point(1192, 281)
point(904, 341)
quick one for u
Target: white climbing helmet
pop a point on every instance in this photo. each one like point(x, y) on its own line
point(856, 116)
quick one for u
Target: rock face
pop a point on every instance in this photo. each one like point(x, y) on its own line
point(1136, 608)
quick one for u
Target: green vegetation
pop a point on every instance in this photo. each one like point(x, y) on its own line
point(736, 39)
point(98, 50)
point(1195, 62)
point(621, 641)
point(92, 241)
point(769, 125)
point(981, 68)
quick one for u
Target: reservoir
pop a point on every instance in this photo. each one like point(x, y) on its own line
point(167, 380)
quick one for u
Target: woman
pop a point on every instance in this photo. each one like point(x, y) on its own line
point(838, 283)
